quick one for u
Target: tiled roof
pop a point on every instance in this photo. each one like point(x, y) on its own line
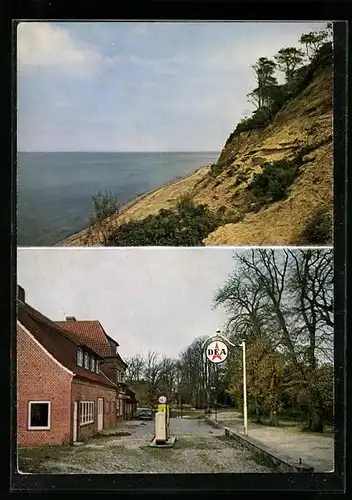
point(58, 343)
point(93, 334)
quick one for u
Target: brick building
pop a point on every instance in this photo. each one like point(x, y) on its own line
point(93, 334)
point(62, 394)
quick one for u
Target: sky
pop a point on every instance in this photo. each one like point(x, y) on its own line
point(139, 86)
point(145, 298)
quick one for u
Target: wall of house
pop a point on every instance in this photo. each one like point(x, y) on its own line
point(87, 391)
point(111, 367)
point(40, 378)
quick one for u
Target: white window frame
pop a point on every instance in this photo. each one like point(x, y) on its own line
point(34, 427)
point(79, 359)
point(86, 412)
point(92, 364)
point(97, 363)
point(86, 360)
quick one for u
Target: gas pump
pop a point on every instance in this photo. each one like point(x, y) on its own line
point(162, 425)
point(164, 409)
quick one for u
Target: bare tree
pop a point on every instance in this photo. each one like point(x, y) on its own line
point(294, 291)
point(135, 368)
point(105, 205)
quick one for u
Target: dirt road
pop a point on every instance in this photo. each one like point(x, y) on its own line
point(199, 448)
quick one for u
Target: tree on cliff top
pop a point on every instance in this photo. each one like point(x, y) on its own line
point(288, 60)
point(313, 41)
point(264, 70)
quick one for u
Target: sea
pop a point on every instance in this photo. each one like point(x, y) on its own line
point(55, 190)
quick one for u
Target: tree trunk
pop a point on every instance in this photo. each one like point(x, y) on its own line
point(317, 420)
point(309, 420)
point(273, 419)
point(257, 415)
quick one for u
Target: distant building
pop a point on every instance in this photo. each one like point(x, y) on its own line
point(63, 396)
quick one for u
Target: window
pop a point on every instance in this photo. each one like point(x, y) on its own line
point(97, 367)
point(118, 375)
point(86, 361)
point(39, 415)
point(79, 357)
point(119, 407)
point(86, 412)
point(92, 364)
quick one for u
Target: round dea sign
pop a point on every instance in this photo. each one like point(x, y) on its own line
point(162, 400)
point(216, 351)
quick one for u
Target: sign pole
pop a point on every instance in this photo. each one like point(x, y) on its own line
point(245, 418)
point(216, 393)
point(221, 355)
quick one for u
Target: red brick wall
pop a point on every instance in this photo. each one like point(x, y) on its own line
point(40, 378)
point(86, 391)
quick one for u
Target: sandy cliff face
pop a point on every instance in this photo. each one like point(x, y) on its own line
point(304, 122)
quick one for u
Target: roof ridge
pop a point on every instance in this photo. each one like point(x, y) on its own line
point(44, 319)
point(85, 329)
point(78, 321)
point(38, 316)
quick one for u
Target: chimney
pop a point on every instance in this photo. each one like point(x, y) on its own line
point(70, 318)
point(21, 294)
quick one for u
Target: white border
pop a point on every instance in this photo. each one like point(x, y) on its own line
point(169, 247)
point(36, 428)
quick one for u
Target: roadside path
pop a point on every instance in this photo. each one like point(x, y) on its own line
point(313, 448)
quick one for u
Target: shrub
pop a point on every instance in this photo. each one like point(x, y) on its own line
point(259, 119)
point(105, 204)
point(217, 168)
point(318, 230)
point(187, 225)
point(272, 183)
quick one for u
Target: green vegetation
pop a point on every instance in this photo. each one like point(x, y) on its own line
point(318, 230)
point(105, 204)
point(281, 304)
point(271, 184)
point(187, 225)
point(298, 67)
point(217, 168)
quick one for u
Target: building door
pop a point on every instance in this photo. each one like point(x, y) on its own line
point(100, 413)
point(75, 419)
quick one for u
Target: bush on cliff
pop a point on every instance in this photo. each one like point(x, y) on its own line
point(187, 225)
point(319, 229)
point(272, 183)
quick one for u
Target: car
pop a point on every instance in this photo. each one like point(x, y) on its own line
point(144, 414)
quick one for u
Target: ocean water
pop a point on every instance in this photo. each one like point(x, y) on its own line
point(55, 190)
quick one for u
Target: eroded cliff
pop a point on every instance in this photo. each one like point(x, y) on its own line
point(299, 139)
